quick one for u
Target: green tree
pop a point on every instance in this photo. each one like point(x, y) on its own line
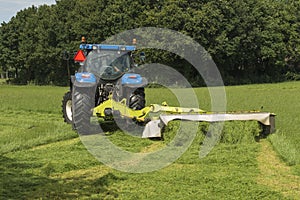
point(250, 41)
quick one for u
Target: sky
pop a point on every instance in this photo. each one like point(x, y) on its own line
point(9, 8)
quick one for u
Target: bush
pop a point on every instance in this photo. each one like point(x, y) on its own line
point(292, 76)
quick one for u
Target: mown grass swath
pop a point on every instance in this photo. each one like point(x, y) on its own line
point(41, 157)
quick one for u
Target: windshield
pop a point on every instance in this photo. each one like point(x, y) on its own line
point(107, 65)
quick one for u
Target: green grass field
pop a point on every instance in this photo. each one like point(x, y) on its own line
point(42, 158)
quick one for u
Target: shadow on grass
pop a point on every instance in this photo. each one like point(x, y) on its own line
point(109, 127)
point(129, 127)
point(16, 183)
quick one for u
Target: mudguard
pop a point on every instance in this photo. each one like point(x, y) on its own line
point(133, 80)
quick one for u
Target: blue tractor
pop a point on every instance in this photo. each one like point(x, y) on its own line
point(106, 88)
point(106, 71)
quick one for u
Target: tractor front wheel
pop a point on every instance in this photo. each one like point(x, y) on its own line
point(67, 107)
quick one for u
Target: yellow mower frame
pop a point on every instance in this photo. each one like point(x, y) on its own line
point(111, 108)
point(140, 115)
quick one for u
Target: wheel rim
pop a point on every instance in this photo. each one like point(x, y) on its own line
point(69, 109)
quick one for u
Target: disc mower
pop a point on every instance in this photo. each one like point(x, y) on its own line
point(105, 88)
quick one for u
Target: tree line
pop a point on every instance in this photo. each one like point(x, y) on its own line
point(251, 41)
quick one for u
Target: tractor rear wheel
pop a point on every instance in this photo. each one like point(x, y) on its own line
point(67, 107)
point(137, 99)
point(82, 105)
point(136, 102)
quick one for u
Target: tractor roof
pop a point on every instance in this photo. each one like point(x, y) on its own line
point(107, 47)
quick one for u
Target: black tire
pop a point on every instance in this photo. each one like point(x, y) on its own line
point(137, 99)
point(83, 103)
point(67, 107)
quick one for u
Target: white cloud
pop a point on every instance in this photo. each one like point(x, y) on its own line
point(9, 8)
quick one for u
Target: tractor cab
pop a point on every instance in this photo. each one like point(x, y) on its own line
point(108, 65)
point(106, 62)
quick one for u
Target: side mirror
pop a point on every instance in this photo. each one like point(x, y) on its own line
point(142, 56)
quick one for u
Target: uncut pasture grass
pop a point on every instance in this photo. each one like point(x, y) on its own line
point(42, 158)
point(281, 99)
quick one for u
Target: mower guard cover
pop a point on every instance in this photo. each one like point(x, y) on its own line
point(154, 128)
